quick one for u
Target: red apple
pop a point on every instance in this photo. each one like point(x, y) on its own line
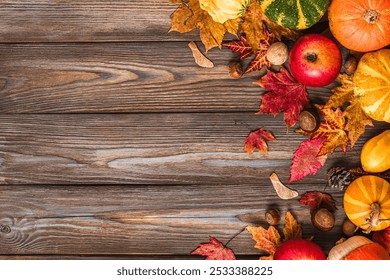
point(299, 249)
point(315, 60)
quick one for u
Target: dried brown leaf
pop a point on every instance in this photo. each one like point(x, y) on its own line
point(282, 191)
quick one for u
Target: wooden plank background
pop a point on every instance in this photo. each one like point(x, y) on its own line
point(115, 144)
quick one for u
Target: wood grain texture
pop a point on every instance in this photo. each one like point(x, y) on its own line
point(86, 20)
point(136, 77)
point(76, 220)
point(148, 149)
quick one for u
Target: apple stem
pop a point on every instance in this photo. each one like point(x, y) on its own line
point(311, 57)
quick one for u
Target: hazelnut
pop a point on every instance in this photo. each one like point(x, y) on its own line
point(350, 64)
point(323, 219)
point(235, 70)
point(349, 228)
point(272, 217)
point(277, 53)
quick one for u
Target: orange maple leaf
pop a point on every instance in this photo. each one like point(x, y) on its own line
point(189, 16)
point(291, 230)
point(269, 239)
point(357, 119)
point(332, 130)
point(266, 239)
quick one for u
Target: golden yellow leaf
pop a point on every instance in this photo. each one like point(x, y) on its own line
point(266, 239)
point(357, 119)
point(189, 16)
point(291, 230)
point(252, 26)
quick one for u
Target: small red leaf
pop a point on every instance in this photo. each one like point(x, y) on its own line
point(214, 250)
point(316, 199)
point(305, 160)
point(257, 140)
point(284, 94)
point(242, 47)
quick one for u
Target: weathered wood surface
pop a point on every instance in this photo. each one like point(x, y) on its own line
point(146, 149)
point(137, 220)
point(84, 21)
point(132, 77)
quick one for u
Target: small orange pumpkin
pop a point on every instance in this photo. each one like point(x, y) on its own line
point(367, 203)
point(358, 248)
point(360, 25)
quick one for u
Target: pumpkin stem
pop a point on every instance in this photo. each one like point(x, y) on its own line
point(371, 16)
point(373, 220)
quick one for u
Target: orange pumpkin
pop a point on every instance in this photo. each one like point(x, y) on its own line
point(358, 248)
point(367, 203)
point(371, 84)
point(360, 25)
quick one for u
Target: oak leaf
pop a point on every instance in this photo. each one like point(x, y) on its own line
point(257, 140)
point(305, 160)
point(214, 250)
point(317, 199)
point(332, 130)
point(266, 239)
point(189, 16)
point(357, 119)
point(284, 93)
point(291, 229)
point(252, 26)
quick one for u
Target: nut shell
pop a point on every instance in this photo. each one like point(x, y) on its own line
point(235, 70)
point(272, 217)
point(323, 219)
point(277, 53)
point(309, 120)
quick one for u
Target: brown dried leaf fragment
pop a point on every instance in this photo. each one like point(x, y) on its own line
point(282, 191)
point(199, 57)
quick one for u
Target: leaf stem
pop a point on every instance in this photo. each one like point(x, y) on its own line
point(234, 236)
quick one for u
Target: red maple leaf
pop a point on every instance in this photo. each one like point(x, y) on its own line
point(257, 140)
point(245, 50)
point(284, 94)
point(305, 160)
point(242, 47)
point(214, 250)
point(316, 199)
point(332, 130)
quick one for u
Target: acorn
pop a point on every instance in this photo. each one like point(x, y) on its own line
point(272, 217)
point(309, 119)
point(323, 219)
point(350, 64)
point(235, 70)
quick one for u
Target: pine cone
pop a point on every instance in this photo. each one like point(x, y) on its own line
point(339, 178)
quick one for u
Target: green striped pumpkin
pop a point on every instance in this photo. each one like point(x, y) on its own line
point(294, 14)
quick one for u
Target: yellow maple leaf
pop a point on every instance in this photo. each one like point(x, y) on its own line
point(189, 16)
point(291, 230)
point(356, 117)
point(266, 239)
